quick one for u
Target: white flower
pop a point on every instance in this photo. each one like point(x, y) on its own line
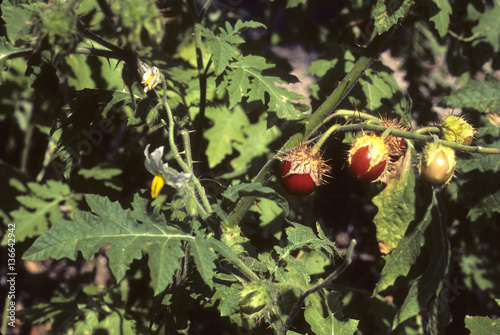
point(163, 173)
point(150, 77)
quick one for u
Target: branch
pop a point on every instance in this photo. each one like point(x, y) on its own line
point(321, 285)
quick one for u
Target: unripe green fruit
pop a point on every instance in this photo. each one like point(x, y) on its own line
point(437, 163)
point(456, 129)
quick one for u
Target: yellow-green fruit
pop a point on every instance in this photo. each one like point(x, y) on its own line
point(457, 129)
point(437, 163)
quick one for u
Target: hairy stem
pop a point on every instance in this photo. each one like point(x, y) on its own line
point(184, 166)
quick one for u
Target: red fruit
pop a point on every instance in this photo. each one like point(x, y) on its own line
point(298, 185)
point(302, 170)
point(368, 158)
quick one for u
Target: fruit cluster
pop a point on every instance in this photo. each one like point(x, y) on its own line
point(371, 156)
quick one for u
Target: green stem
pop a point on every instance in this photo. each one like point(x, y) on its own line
point(245, 203)
point(184, 166)
point(5, 314)
point(371, 52)
point(428, 130)
point(386, 133)
point(347, 113)
point(417, 137)
point(323, 138)
point(27, 146)
point(187, 148)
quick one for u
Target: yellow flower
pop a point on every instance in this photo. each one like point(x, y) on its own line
point(157, 185)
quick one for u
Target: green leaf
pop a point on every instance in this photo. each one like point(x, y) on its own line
point(488, 27)
point(478, 272)
point(100, 173)
point(442, 18)
point(223, 45)
point(379, 85)
point(16, 19)
point(236, 192)
point(300, 237)
point(258, 138)
point(40, 208)
point(247, 74)
point(109, 223)
point(396, 206)
point(487, 205)
point(228, 297)
point(7, 49)
point(388, 13)
point(482, 325)
point(329, 325)
point(482, 97)
point(141, 18)
point(295, 3)
point(428, 285)
point(400, 260)
point(271, 214)
point(226, 131)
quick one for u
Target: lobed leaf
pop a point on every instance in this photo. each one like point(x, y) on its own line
point(482, 97)
point(100, 173)
point(40, 208)
point(223, 45)
point(128, 237)
point(442, 18)
point(488, 26)
point(226, 131)
point(300, 237)
point(280, 99)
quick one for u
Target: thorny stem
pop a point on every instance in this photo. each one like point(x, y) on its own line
point(202, 77)
point(202, 73)
point(321, 285)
